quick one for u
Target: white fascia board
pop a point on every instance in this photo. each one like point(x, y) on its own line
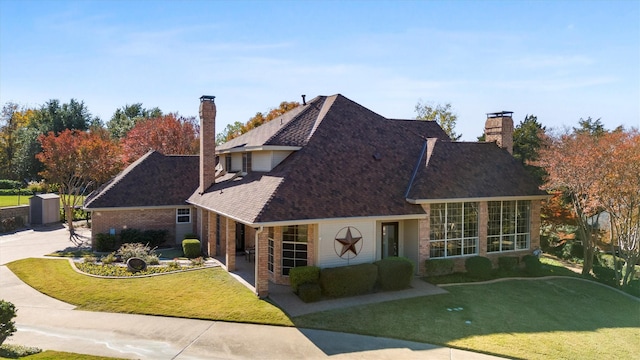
point(258, 148)
point(479, 199)
point(138, 208)
point(315, 221)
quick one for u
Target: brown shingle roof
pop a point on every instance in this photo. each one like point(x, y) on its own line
point(456, 170)
point(152, 180)
point(355, 163)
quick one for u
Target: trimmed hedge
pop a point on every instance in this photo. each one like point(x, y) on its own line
point(191, 248)
point(303, 275)
point(348, 280)
point(106, 242)
point(478, 267)
point(438, 267)
point(394, 273)
point(25, 192)
point(310, 292)
point(9, 184)
point(507, 263)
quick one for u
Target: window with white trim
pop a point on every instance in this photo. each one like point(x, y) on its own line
point(508, 225)
point(294, 247)
point(453, 229)
point(246, 162)
point(227, 163)
point(270, 258)
point(183, 216)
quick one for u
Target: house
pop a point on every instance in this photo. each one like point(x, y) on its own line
point(332, 183)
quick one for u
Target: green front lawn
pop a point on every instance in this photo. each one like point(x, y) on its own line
point(210, 294)
point(560, 318)
point(12, 200)
point(532, 319)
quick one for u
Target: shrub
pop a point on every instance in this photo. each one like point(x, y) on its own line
point(105, 242)
point(438, 267)
point(507, 263)
point(478, 267)
point(394, 273)
point(303, 275)
point(9, 184)
point(129, 250)
point(90, 259)
point(633, 287)
point(348, 280)
point(191, 248)
point(7, 325)
point(309, 292)
point(130, 236)
point(109, 259)
point(24, 192)
point(155, 238)
point(532, 264)
point(153, 259)
point(173, 265)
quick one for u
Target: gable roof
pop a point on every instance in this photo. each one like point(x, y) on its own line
point(354, 163)
point(152, 180)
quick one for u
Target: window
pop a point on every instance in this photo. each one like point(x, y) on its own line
point(183, 216)
point(294, 247)
point(246, 162)
point(454, 230)
point(270, 259)
point(227, 162)
point(508, 225)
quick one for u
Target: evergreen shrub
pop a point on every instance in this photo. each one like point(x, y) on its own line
point(191, 248)
point(106, 242)
point(7, 325)
point(507, 263)
point(438, 267)
point(478, 267)
point(532, 264)
point(394, 273)
point(310, 292)
point(348, 280)
point(303, 275)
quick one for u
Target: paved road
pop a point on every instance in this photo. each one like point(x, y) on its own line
point(51, 324)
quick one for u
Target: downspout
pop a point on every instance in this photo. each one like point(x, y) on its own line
point(255, 258)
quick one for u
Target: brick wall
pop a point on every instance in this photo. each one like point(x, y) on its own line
point(146, 219)
point(15, 211)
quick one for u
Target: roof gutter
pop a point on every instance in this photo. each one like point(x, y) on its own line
point(477, 199)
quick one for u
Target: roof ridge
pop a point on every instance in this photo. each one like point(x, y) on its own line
point(296, 117)
point(326, 105)
point(102, 190)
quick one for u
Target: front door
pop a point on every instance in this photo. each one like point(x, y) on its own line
point(239, 237)
point(389, 239)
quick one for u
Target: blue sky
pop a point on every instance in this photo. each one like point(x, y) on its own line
point(559, 60)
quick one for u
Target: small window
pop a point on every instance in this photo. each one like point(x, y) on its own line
point(183, 216)
point(227, 162)
point(246, 162)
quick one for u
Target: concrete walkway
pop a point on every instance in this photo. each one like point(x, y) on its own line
point(51, 324)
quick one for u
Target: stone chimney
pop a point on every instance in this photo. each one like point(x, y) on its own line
point(499, 129)
point(207, 142)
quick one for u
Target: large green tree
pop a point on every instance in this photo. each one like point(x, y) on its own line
point(527, 141)
point(126, 117)
point(442, 114)
point(56, 117)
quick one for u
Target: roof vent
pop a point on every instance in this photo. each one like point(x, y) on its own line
point(304, 102)
point(377, 156)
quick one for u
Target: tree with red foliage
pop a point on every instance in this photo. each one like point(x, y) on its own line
point(169, 134)
point(77, 161)
point(599, 171)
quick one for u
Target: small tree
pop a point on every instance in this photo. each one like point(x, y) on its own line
point(442, 114)
point(78, 161)
point(7, 325)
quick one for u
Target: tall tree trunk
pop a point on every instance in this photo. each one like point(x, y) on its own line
point(613, 250)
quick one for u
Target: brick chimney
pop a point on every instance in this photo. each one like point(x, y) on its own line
point(499, 129)
point(207, 142)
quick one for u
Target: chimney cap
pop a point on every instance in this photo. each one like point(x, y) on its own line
point(207, 98)
point(499, 114)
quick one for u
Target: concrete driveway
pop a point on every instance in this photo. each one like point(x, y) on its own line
point(51, 324)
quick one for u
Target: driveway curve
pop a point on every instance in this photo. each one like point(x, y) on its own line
point(47, 323)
